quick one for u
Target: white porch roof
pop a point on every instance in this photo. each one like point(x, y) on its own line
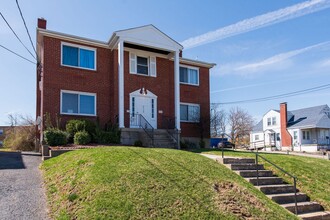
point(147, 35)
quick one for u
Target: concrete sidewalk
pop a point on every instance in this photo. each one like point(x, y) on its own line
point(293, 153)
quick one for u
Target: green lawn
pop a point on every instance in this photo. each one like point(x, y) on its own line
point(144, 183)
point(313, 174)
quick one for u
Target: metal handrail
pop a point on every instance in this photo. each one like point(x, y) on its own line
point(169, 125)
point(145, 125)
point(281, 169)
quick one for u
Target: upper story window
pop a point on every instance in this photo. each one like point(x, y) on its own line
point(78, 103)
point(189, 75)
point(78, 56)
point(144, 65)
point(269, 122)
point(273, 120)
point(189, 112)
point(1, 131)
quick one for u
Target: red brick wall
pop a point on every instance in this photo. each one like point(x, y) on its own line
point(57, 78)
point(286, 139)
point(104, 82)
point(198, 95)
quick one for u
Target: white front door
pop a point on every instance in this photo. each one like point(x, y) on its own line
point(145, 105)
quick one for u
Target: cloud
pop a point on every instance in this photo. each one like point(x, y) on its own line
point(325, 63)
point(255, 85)
point(257, 22)
point(271, 63)
point(280, 57)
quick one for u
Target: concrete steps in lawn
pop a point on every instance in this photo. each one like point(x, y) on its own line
point(265, 180)
point(283, 198)
point(275, 188)
point(322, 215)
point(303, 207)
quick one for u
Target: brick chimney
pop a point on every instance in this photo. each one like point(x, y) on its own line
point(42, 23)
point(286, 139)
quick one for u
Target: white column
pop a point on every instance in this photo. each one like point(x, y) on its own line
point(177, 89)
point(121, 83)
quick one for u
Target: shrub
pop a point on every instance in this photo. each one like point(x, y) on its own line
point(82, 137)
point(20, 138)
point(74, 126)
point(106, 137)
point(55, 137)
point(202, 143)
point(138, 143)
point(186, 144)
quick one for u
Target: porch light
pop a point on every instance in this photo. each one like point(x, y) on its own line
point(143, 91)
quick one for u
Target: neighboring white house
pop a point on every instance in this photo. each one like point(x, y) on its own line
point(305, 129)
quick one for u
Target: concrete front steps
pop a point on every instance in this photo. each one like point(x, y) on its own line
point(275, 188)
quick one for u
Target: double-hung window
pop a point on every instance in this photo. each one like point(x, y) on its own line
point(189, 75)
point(78, 56)
point(306, 135)
point(78, 103)
point(144, 65)
point(269, 122)
point(189, 112)
point(273, 120)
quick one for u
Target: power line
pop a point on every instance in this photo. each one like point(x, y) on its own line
point(27, 30)
point(16, 35)
point(290, 94)
point(17, 54)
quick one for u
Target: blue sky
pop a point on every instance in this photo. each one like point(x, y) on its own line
point(261, 48)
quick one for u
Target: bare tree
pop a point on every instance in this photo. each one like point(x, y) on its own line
point(218, 120)
point(241, 124)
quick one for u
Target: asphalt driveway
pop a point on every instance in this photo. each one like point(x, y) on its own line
point(21, 193)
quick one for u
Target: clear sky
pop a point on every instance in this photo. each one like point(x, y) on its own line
point(261, 48)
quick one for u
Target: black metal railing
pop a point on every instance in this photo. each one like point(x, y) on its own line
point(257, 169)
point(282, 170)
point(137, 120)
point(168, 123)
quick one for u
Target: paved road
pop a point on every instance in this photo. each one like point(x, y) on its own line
point(21, 193)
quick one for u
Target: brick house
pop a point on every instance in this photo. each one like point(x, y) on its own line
point(306, 129)
point(137, 79)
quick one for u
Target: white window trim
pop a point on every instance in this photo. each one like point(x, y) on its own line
point(144, 55)
point(191, 67)
point(82, 47)
point(256, 137)
point(272, 121)
point(191, 104)
point(148, 64)
point(78, 93)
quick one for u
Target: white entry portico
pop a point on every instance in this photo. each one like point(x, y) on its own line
point(150, 37)
point(144, 104)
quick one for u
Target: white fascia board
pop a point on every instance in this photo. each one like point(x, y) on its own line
point(73, 38)
point(196, 62)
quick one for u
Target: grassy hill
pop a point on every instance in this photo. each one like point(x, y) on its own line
point(313, 174)
point(144, 183)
